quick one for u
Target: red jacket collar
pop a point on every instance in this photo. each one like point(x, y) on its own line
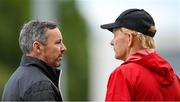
point(139, 54)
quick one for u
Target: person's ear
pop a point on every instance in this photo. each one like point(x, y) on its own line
point(36, 47)
point(130, 40)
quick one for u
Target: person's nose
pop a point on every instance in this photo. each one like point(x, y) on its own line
point(63, 48)
point(112, 43)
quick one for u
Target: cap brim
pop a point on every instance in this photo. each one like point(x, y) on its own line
point(109, 26)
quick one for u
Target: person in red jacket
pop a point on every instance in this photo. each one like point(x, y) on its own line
point(144, 75)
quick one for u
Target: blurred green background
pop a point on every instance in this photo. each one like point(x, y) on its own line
point(12, 16)
point(14, 13)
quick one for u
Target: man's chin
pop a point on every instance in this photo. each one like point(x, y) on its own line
point(118, 58)
point(58, 65)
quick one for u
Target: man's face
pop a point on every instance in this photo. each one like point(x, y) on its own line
point(120, 44)
point(54, 48)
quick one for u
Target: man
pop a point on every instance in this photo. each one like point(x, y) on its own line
point(144, 75)
point(37, 78)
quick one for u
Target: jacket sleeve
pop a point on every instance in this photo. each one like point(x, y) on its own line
point(40, 91)
point(118, 88)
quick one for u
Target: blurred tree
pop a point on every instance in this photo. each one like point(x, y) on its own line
point(74, 32)
point(13, 13)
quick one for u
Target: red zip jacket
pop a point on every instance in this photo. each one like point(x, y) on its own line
point(145, 76)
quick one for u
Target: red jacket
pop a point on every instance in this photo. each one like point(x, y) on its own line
point(145, 76)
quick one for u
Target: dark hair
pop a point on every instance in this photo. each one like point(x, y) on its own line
point(32, 31)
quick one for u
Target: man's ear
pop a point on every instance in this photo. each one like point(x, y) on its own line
point(130, 43)
point(36, 47)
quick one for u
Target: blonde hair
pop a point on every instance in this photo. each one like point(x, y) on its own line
point(145, 41)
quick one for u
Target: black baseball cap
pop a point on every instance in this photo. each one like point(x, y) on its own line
point(134, 19)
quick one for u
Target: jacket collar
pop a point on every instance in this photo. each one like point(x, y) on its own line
point(139, 55)
point(51, 73)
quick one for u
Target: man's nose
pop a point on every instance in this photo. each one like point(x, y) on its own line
point(64, 48)
point(112, 43)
